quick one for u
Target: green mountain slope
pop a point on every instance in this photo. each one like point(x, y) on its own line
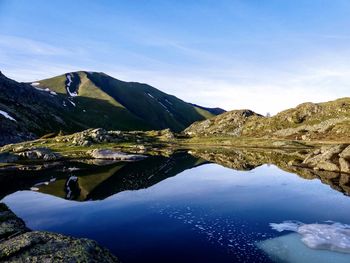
point(134, 105)
point(80, 100)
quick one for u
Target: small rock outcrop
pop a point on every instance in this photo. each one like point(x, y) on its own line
point(114, 155)
point(229, 123)
point(327, 121)
point(19, 244)
point(334, 158)
point(39, 154)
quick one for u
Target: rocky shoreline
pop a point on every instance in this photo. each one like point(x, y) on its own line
point(100, 144)
point(20, 244)
point(334, 158)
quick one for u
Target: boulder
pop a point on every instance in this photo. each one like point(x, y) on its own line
point(344, 165)
point(327, 166)
point(40, 154)
point(114, 155)
point(345, 153)
point(327, 154)
point(10, 224)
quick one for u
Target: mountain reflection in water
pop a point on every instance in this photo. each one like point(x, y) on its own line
point(97, 180)
point(186, 207)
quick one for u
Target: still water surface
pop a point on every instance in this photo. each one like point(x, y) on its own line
point(204, 213)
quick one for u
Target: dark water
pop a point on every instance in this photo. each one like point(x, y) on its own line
point(178, 209)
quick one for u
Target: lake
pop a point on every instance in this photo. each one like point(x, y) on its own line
point(184, 208)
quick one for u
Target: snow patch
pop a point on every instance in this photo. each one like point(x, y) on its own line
point(35, 84)
point(168, 101)
point(73, 179)
point(72, 103)
point(69, 78)
point(165, 107)
point(150, 95)
point(6, 115)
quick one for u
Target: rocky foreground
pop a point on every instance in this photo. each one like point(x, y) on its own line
point(20, 244)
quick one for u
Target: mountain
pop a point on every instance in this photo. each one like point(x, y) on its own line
point(122, 105)
point(308, 121)
point(79, 100)
point(215, 111)
point(229, 123)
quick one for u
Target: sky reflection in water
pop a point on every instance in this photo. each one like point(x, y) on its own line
point(203, 214)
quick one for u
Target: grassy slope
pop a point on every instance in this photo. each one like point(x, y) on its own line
point(157, 108)
point(115, 104)
point(94, 108)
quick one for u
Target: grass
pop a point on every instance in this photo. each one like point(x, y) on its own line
point(113, 104)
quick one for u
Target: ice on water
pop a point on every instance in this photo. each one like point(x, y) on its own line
point(326, 242)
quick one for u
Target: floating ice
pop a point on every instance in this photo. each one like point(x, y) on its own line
point(333, 236)
point(6, 115)
point(311, 243)
point(290, 249)
point(229, 233)
point(286, 226)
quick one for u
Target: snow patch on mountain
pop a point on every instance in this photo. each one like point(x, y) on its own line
point(69, 78)
point(168, 101)
point(72, 103)
point(6, 115)
point(36, 84)
point(150, 95)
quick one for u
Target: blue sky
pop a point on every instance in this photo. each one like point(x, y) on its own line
point(266, 55)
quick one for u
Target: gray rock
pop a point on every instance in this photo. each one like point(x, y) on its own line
point(327, 166)
point(344, 165)
point(50, 247)
point(40, 154)
point(328, 154)
point(345, 153)
point(114, 155)
point(10, 224)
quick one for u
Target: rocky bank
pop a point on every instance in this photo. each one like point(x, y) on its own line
point(20, 244)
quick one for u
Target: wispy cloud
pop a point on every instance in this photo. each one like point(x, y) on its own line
point(21, 45)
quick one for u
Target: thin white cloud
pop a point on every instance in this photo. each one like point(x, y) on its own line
point(214, 81)
point(20, 45)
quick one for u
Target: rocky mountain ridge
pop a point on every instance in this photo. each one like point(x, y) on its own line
point(308, 121)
